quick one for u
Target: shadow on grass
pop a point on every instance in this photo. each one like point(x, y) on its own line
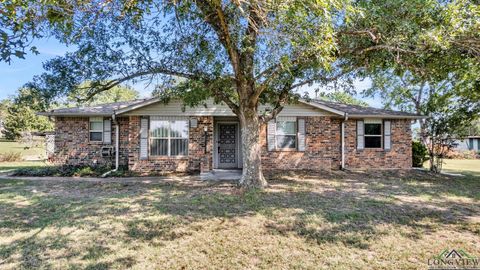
point(325, 208)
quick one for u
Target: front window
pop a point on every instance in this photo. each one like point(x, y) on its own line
point(373, 134)
point(168, 137)
point(96, 129)
point(286, 134)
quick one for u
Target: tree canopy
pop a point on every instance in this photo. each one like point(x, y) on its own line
point(118, 93)
point(246, 52)
point(342, 97)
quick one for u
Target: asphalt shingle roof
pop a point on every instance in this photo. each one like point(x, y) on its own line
point(110, 108)
point(100, 109)
point(354, 110)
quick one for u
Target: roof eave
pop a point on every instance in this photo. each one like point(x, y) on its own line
point(136, 106)
point(323, 107)
point(389, 116)
point(71, 114)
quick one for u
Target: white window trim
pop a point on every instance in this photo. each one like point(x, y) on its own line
point(381, 135)
point(90, 130)
point(286, 119)
point(168, 138)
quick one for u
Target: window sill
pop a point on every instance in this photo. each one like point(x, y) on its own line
point(95, 143)
point(167, 157)
point(372, 150)
point(286, 150)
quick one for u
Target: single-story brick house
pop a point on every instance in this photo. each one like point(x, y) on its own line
point(152, 136)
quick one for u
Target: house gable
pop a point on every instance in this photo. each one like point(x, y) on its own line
point(177, 108)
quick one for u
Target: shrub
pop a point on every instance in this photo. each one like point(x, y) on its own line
point(11, 157)
point(66, 170)
point(85, 171)
point(46, 171)
point(419, 154)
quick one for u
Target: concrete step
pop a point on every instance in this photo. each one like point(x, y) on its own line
point(221, 174)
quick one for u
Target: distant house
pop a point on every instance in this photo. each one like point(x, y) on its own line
point(149, 135)
point(470, 143)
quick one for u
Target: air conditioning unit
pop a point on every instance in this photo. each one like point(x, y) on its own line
point(108, 151)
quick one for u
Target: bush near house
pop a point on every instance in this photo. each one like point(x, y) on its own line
point(419, 154)
point(66, 170)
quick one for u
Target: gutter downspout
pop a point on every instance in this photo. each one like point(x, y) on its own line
point(343, 140)
point(117, 142)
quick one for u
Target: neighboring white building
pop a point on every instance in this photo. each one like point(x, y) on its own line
point(468, 144)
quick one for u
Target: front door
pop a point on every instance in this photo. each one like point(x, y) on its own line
point(227, 146)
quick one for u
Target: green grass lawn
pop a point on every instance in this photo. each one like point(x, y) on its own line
point(37, 152)
point(10, 166)
point(464, 166)
point(334, 220)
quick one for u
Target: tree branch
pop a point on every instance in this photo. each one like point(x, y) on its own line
point(281, 101)
point(369, 32)
point(215, 16)
point(112, 83)
point(319, 78)
point(385, 47)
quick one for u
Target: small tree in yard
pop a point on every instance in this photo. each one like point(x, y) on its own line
point(20, 115)
point(243, 52)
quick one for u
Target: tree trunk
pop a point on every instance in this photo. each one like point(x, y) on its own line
point(252, 176)
point(432, 154)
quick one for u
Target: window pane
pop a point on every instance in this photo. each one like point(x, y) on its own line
point(178, 147)
point(373, 142)
point(159, 147)
point(96, 136)
point(373, 129)
point(96, 125)
point(284, 127)
point(159, 128)
point(179, 129)
point(286, 141)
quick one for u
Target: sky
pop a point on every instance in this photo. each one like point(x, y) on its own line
point(20, 71)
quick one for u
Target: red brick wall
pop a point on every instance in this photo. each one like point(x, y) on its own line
point(400, 155)
point(322, 149)
point(73, 147)
point(196, 150)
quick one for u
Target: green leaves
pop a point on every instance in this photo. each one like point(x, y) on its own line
point(20, 54)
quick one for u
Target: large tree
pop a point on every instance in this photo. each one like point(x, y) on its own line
point(247, 52)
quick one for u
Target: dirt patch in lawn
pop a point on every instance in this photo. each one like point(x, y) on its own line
point(344, 220)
